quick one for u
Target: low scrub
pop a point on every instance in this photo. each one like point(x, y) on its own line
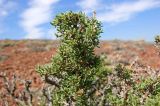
point(7, 43)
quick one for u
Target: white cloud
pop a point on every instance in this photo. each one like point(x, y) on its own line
point(38, 13)
point(118, 12)
point(124, 11)
point(89, 5)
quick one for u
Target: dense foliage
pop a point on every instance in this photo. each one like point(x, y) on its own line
point(80, 78)
point(75, 67)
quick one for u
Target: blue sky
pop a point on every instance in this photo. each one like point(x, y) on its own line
point(121, 19)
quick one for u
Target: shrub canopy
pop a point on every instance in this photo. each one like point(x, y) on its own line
point(75, 65)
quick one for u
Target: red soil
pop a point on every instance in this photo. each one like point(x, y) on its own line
point(22, 60)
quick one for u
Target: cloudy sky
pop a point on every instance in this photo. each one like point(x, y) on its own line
point(122, 19)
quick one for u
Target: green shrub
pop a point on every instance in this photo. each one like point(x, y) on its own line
point(81, 78)
point(77, 70)
point(123, 90)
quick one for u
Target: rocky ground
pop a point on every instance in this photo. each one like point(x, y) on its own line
point(21, 57)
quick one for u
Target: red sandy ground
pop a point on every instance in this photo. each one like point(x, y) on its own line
point(22, 61)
